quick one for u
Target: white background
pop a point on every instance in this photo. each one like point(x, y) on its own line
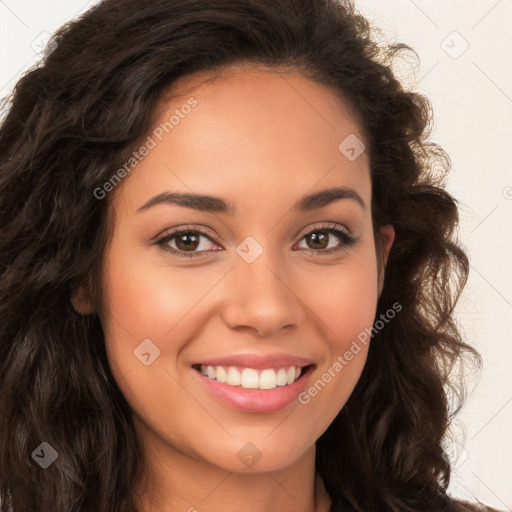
point(471, 92)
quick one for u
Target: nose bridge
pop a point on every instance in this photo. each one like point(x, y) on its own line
point(259, 295)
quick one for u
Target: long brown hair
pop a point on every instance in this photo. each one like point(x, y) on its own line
point(73, 120)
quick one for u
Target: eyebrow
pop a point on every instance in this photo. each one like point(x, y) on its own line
point(217, 205)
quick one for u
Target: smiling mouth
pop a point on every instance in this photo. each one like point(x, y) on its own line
point(252, 378)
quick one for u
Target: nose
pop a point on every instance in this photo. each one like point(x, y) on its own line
point(262, 297)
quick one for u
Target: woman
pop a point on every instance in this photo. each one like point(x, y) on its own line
point(228, 272)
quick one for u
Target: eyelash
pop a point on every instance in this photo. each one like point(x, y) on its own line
point(347, 239)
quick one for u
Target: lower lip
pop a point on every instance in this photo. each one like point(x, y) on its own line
point(256, 400)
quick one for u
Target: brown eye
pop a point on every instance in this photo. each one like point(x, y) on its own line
point(187, 241)
point(322, 240)
point(318, 240)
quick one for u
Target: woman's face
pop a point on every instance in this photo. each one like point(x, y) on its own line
point(264, 281)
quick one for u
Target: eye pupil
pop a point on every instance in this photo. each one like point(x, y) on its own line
point(319, 237)
point(187, 244)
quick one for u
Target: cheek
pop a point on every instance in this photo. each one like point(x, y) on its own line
point(345, 297)
point(145, 303)
point(146, 300)
point(346, 304)
point(149, 299)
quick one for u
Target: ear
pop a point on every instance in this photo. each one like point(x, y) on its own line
point(388, 236)
point(81, 300)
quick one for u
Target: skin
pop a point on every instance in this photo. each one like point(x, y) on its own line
point(261, 139)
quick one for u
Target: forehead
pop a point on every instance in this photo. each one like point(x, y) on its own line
point(251, 129)
point(253, 94)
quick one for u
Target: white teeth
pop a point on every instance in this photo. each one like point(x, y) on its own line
point(250, 379)
point(220, 374)
point(234, 378)
point(268, 379)
point(281, 377)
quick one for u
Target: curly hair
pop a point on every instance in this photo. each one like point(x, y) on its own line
point(73, 119)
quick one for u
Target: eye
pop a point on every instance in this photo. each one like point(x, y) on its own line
point(319, 240)
point(187, 242)
point(193, 242)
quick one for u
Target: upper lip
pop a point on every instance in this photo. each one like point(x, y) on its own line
point(258, 361)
